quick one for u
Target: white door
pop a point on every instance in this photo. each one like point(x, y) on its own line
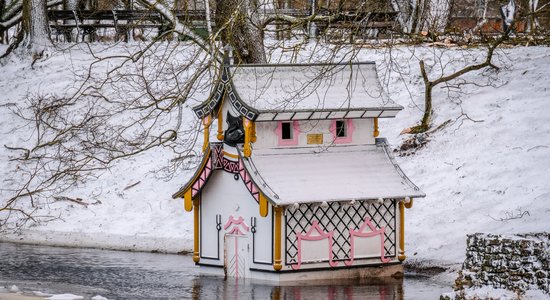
point(237, 253)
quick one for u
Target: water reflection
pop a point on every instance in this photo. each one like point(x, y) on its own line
point(216, 288)
point(129, 275)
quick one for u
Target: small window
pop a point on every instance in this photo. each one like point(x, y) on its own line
point(286, 131)
point(341, 129)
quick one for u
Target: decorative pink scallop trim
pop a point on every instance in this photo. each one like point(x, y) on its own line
point(295, 134)
point(361, 233)
point(308, 237)
point(236, 222)
point(349, 132)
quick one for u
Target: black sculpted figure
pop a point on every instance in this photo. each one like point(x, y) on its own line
point(234, 134)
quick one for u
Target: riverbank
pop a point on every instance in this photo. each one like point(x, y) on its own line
point(484, 171)
point(11, 296)
point(136, 275)
point(15, 296)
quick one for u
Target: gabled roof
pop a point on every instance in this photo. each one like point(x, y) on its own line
point(302, 91)
point(339, 173)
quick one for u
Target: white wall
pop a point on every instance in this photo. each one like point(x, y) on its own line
point(267, 137)
point(227, 197)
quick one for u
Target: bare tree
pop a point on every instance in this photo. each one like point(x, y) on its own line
point(137, 105)
point(429, 84)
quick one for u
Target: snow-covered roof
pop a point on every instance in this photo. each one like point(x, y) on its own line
point(340, 173)
point(266, 92)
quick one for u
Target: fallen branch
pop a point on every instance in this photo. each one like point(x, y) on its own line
point(131, 185)
point(75, 200)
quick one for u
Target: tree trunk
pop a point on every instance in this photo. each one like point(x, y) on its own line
point(241, 29)
point(427, 106)
point(415, 15)
point(2, 6)
point(36, 32)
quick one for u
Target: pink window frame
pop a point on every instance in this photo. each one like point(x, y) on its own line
point(295, 134)
point(349, 132)
point(308, 236)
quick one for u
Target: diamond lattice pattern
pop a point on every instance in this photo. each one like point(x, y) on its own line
point(339, 217)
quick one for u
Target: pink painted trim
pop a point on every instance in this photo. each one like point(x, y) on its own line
point(206, 172)
point(349, 132)
point(237, 258)
point(295, 134)
point(236, 222)
point(308, 237)
point(236, 231)
point(362, 233)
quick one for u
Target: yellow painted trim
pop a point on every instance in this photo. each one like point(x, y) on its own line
point(196, 256)
point(247, 136)
point(277, 266)
point(220, 122)
point(401, 231)
point(264, 207)
point(188, 199)
point(376, 133)
point(253, 138)
point(206, 122)
point(410, 204)
point(230, 155)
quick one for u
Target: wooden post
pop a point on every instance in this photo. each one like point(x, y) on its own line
point(264, 206)
point(206, 122)
point(277, 266)
point(220, 122)
point(196, 256)
point(401, 231)
point(247, 136)
point(376, 132)
point(188, 199)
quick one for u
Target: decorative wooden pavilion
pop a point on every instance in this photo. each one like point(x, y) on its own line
point(297, 184)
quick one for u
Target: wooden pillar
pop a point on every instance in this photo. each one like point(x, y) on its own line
point(188, 199)
point(206, 122)
point(220, 123)
point(401, 231)
point(264, 205)
point(247, 136)
point(196, 204)
point(277, 266)
point(376, 132)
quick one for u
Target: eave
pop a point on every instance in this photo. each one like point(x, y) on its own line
point(225, 86)
point(329, 114)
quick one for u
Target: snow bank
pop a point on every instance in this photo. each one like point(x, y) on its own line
point(65, 297)
point(484, 176)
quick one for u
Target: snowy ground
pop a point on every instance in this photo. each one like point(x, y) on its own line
point(484, 176)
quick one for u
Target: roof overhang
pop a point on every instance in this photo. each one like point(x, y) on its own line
point(340, 173)
point(328, 114)
point(289, 176)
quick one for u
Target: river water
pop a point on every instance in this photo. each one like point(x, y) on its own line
point(134, 275)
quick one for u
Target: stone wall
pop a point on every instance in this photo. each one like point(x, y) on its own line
point(512, 262)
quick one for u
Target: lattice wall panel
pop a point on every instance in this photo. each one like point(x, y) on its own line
point(339, 217)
